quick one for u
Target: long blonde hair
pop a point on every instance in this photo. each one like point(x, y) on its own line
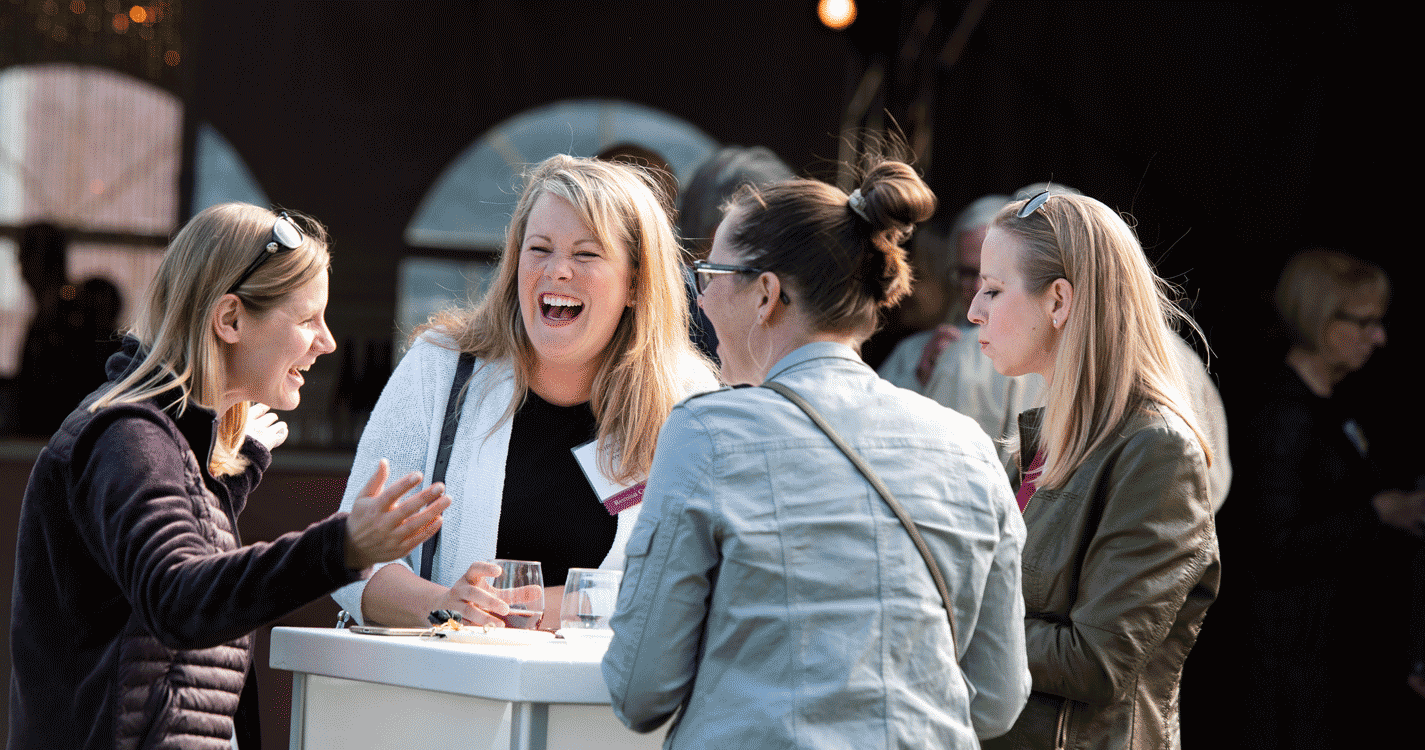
point(645, 368)
point(180, 350)
point(1113, 357)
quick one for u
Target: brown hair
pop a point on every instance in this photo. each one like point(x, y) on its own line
point(842, 263)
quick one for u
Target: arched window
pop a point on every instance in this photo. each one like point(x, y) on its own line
point(219, 174)
point(469, 205)
point(97, 154)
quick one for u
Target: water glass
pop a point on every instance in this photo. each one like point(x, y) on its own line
point(589, 599)
point(521, 585)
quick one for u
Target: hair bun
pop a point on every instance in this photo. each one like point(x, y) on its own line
point(892, 199)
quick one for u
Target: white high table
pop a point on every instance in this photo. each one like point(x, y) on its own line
point(351, 690)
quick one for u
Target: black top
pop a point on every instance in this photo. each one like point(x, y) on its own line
point(1303, 488)
point(549, 512)
point(1307, 646)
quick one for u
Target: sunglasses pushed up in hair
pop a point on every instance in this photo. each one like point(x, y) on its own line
point(285, 236)
point(1032, 205)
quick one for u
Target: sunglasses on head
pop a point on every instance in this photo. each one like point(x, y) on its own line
point(285, 236)
point(1032, 205)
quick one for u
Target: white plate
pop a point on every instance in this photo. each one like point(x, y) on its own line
point(499, 636)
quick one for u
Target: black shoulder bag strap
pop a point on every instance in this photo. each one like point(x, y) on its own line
point(453, 405)
point(881, 488)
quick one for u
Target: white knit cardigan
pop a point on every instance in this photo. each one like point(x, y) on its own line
point(405, 429)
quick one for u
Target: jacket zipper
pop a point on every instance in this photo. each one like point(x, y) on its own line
point(1061, 732)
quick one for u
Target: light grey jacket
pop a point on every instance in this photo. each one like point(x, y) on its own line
point(772, 594)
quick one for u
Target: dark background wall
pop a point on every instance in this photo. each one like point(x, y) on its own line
point(1235, 134)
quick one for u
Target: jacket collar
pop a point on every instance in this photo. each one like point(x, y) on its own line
point(199, 425)
point(815, 350)
point(1030, 422)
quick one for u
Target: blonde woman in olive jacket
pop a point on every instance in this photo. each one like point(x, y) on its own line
point(1120, 562)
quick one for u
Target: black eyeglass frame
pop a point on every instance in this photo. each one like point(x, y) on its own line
point(1032, 205)
point(273, 246)
point(701, 267)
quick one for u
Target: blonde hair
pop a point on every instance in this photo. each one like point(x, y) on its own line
point(1113, 357)
point(644, 369)
point(180, 351)
point(1315, 286)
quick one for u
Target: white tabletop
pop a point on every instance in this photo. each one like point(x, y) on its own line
point(557, 672)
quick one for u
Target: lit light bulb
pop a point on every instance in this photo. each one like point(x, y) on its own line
point(836, 14)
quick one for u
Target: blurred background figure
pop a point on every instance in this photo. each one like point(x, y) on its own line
point(652, 162)
point(1315, 629)
point(700, 211)
point(69, 338)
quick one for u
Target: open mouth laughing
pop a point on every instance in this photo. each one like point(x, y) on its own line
point(559, 310)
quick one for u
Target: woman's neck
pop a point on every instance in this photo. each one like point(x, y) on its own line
point(1319, 376)
point(562, 387)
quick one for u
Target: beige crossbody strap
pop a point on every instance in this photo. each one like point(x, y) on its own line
point(885, 493)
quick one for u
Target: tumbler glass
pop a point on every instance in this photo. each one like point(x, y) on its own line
point(521, 585)
point(589, 599)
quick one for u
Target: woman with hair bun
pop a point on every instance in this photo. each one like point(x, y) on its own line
point(770, 590)
point(1121, 560)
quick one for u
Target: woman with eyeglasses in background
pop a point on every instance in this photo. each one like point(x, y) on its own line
point(1121, 562)
point(771, 592)
point(583, 336)
point(134, 600)
point(1318, 612)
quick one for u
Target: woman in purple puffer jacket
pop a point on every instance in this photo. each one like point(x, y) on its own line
point(134, 598)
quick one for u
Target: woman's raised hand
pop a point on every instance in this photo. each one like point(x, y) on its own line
point(383, 527)
point(264, 426)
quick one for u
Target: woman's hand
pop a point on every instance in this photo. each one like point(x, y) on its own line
point(383, 527)
point(1403, 510)
point(264, 426)
point(478, 603)
point(553, 603)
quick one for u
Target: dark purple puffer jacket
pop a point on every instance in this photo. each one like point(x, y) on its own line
point(134, 601)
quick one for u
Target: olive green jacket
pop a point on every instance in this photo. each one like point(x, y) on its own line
point(1120, 565)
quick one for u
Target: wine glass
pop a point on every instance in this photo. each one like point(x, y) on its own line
point(590, 596)
point(521, 585)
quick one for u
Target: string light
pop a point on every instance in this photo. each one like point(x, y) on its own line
point(836, 14)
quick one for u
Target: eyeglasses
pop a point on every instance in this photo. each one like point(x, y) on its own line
point(703, 272)
point(1371, 321)
point(1032, 205)
point(285, 236)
